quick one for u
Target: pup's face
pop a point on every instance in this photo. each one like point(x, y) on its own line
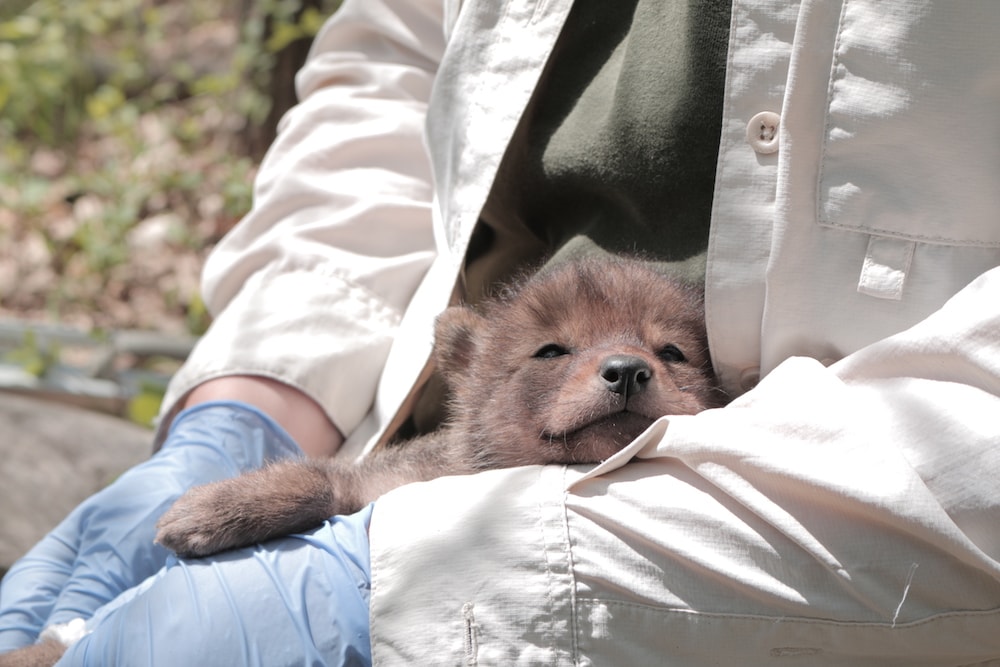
point(577, 364)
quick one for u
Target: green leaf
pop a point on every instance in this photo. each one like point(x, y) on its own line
point(311, 21)
point(32, 357)
point(144, 406)
point(105, 101)
point(284, 34)
point(22, 27)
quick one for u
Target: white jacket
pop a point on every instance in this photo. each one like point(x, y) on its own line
point(844, 511)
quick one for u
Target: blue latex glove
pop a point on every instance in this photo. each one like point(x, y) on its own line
point(105, 545)
point(300, 600)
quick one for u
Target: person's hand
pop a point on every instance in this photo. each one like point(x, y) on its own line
point(105, 545)
point(296, 600)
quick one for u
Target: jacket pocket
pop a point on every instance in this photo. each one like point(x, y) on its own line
point(911, 147)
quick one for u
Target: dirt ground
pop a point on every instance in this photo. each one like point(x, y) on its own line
point(109, 230)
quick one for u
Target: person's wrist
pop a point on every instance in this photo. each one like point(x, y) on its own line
point(301, 417)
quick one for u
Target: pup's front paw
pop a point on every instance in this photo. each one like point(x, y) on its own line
point(200, 523)
point(42, 654)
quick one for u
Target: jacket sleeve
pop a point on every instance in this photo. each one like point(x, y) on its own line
point(310, 286)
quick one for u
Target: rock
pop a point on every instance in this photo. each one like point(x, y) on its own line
point(52, 457)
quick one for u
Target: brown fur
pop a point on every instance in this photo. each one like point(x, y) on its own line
point(43, 654)
point(529, 378)
point(569, 368)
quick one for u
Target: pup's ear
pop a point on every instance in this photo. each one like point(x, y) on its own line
point(455, 337)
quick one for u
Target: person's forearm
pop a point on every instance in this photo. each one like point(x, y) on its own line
point(298, 414)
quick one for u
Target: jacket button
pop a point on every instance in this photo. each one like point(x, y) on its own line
point(762, 132)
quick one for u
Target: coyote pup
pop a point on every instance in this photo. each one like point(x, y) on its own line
point(568, 368)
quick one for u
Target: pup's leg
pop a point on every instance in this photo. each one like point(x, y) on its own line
point(43, 654)
point(293, 496)
point(276, 500)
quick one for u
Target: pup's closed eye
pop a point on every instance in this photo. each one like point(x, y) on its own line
point(550, 351)
point(671, 354)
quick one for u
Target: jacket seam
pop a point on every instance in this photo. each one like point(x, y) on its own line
point(966, 613)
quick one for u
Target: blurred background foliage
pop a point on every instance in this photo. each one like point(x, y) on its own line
point(130, 131)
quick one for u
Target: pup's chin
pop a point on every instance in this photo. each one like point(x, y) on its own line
point(598, 440)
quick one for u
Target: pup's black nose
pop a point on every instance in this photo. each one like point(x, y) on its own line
point(625, 374)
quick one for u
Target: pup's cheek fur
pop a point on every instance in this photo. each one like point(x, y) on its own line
point(507, 423)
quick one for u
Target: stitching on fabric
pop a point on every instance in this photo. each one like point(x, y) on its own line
point(794, 652)
point(971, 613)
point(549, 576)
point(373, 625)
point(565, 553)
point(712, 325)
point(829, 103)
point(471, 634)
point(908, 236)
point(571, 572)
